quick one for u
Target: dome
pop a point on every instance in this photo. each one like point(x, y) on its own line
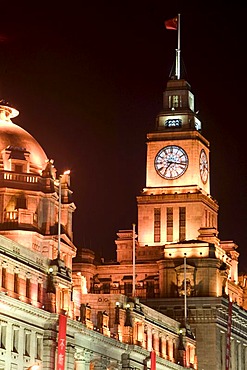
point(14, 137)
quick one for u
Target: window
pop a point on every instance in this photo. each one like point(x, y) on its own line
point(156, 225)
point(15, 339)
point(160, 346)
point(153, 341)
point(21, 202)
point(3, 332)
point(150, 289)
point(19, 168)
point(4, 277)
point(28, 287)
point(182, 223)
point(175, 101)
point(27, 342)
point(128, 288)
point(16, 282)
point(39, 347)
point(39, 293)
point(169, 224)
point(106, 288)
point(62, 299)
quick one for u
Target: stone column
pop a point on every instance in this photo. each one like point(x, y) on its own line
point(100, 363)
point(49, 349)
point(70, 356)
point(82, 360)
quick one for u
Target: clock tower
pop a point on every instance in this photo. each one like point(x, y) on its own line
point(176, 204)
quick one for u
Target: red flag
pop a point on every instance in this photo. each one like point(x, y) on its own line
point(61, 342)
point(153, 360)
point(172, 24)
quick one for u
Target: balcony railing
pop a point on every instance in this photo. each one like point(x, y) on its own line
point(19, 177)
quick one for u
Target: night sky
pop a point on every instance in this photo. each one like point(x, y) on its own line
point(88, 82)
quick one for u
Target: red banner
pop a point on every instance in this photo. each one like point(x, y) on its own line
point(153, 360)
point(61, 346)
point(228, 338)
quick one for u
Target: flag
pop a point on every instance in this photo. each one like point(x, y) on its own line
point(153, 360)
point(172, 24)
point(61, 342)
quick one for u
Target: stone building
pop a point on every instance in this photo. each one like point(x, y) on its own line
point(180, 267)
point(104, 331)
point(174, 288)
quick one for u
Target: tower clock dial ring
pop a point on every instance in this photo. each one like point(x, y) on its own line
point(171, 162)
point(203, 163)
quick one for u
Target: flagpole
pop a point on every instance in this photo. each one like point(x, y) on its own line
point(59, 217)
point(185, 292)
point(178, 51)
point(134, 263)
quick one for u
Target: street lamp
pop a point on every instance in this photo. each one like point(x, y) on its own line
point(34, 367)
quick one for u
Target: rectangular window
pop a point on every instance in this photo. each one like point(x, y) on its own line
point(15, 339)
point(150, 289)
point(106, 288)
point(39, 347)
point(28, 288)
point(27, 343)
point(128, 288)
point(16, 282)
point(4, 277)
point(62, 300)
point(18, 168)
point(169, 224)
point(21, 202)
point(3, 332)
point(182, 223)
point(156, 225)
point(175, 101)
point(39, 293)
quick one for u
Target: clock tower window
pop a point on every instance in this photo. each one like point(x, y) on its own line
point(175, 101)
point(156, 225)
point(169, 224)
point(182, 223)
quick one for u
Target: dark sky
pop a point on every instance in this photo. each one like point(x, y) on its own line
point(88, 82)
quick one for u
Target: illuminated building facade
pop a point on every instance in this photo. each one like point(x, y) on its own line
point(104, 331)
point(180, 268)
point(174, 298)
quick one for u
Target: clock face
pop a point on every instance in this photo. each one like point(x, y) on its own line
point(203, 166)
point(171, 162)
